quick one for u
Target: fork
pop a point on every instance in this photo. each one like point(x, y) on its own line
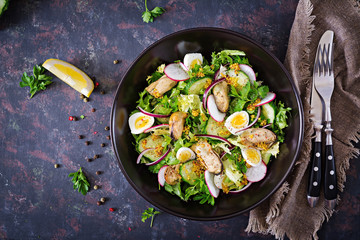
point(324, 84)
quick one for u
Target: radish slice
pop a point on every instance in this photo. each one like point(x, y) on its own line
point(156, 127)
point(213, 110)
point(161, 175)
point(215, 137)
point(251, 124)
point(152, 114)
point(249, 72)
point(240, 190)
point(256, 174)
point(209, 179)
point(159, 160)
point(207, 91)
point(142, 154)
point(269, 97)
point(176, 72)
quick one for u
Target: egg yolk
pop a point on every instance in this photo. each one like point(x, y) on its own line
point(194, 62)
point(141, 122)
point(184, 155)
point(252, 156)
point(238, 121)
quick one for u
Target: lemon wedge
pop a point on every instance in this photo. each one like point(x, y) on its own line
point(71, 75)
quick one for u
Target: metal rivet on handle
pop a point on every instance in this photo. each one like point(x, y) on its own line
point(316, 169)
point(332, 172)
point(315, 184)
point(317, 154)
point(330, 157)
point(331, 187)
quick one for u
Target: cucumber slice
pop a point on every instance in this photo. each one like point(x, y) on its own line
point(268, 110)
point(217, 128)
point(266, 157)
point(157, 110)
point(151, 141)
point(3, 6)
point(187, 172)
point(198, 86)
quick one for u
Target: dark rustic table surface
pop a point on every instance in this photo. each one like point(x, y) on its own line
point(37, 200)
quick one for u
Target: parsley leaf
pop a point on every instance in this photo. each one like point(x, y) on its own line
point(149, 213)
point(37, 82)
point(80, 181)
point(148, 16)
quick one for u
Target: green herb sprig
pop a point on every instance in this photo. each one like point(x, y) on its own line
point(80, 181)
point(148, 16)
point(37, 82)
point(149, 213)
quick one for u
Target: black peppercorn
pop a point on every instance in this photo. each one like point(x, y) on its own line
point(108, 137)
point(93, 110)
point(88, 159)
point(87, 143)
point(98, 203)
point(102, 92)
point(107, 128)
point(80, 137)
point(98, 172)
point(96, 156)
point(102, 145)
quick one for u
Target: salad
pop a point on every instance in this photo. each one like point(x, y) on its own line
point(207, 127)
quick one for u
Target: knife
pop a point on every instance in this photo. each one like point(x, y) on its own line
point(324, 84)
point(316, 116)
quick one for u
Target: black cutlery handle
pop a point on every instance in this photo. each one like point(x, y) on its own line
point(330, 182)
point(315, 171)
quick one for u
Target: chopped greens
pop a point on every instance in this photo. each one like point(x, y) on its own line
point(148, 16)
point(80, 181)
point(149, 213)
point(37, 82)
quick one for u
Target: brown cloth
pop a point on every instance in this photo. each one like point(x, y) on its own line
point(287, 212)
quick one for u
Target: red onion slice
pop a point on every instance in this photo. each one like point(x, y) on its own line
point(251, 124)
point(159, 160)
point(267, 125)
point(224, 153)
point(153, 114)
point(142, 154)
point(214, 137)
point(206, 93)
point(156, 127)
point(240, 190)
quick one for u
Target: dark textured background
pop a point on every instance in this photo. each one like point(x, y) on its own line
point(36, 200)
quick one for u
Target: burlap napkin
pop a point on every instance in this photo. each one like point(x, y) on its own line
point(287, 211)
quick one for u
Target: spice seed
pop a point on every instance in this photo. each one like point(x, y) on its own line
point(116, 61)
point(102, 145)
point(98, 203)
point(56, 165)
point(98, 172)
point(80, 136)
point(102, 199)
point(107, 128)
point(96, 187)
point(86, 99)
point(93, 110)
point(87, 143)
point(108, 137)
point(96, 156)
point(102, 92)
point(88, 159)
point(111, 209)
point(82, 96)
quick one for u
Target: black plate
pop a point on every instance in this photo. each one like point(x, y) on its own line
point(174, 47)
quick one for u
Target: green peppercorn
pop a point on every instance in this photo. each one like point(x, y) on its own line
point(102, 199)
point(98, 203)
point(116, 61)
point(96, 187)
point(107, 128)
point(56, 165)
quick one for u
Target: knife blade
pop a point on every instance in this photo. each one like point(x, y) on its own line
point(316, 116)
point(324, 84)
